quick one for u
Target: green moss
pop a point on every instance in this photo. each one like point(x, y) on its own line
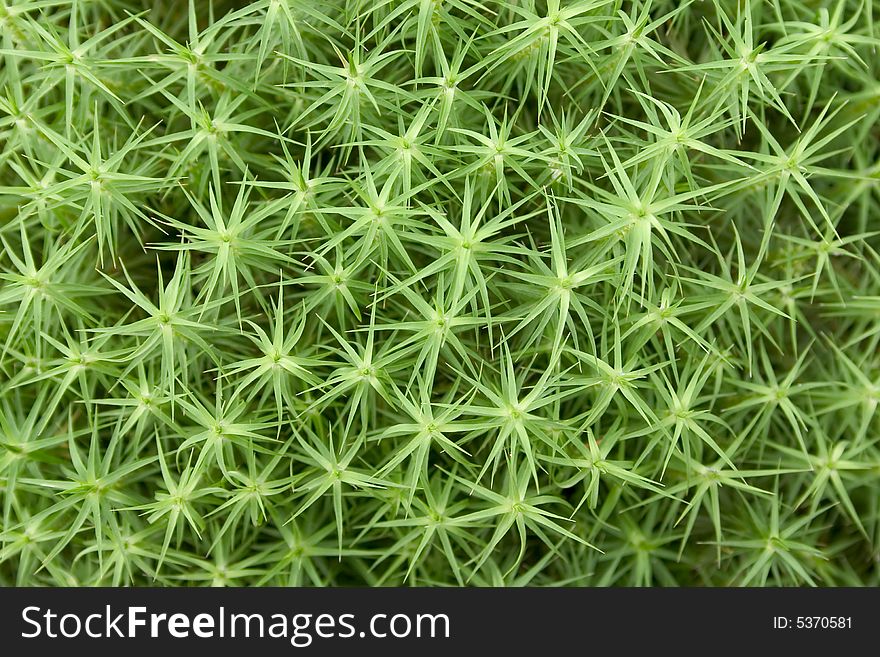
point(439, 293)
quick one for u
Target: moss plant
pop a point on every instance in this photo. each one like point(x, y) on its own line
point(439, 292)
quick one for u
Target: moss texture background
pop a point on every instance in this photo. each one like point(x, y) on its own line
point(439, 292)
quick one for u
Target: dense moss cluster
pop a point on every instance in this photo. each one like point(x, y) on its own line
point(439, 292)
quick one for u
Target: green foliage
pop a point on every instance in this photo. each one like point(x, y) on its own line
point(439, 292)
